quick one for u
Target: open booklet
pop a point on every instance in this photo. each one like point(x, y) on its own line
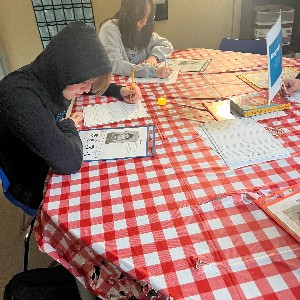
point(118, 143)
point(284, 208)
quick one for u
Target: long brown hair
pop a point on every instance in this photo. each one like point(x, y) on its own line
point(100, 84)
point(130, 12)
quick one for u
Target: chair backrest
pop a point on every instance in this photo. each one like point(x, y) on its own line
point(5, 186)
point(258, 46)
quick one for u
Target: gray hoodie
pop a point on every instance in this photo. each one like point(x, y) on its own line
point(122, 60)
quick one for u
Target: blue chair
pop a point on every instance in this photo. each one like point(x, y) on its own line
point(258, 46)
point(27, 210)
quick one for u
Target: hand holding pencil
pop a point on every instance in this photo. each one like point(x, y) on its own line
point(132, 83)
point(163, 72)
point(290, 86)
point(131, 94)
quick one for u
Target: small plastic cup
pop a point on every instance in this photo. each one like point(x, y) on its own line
point(161, 101)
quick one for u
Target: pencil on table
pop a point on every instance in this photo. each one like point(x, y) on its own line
point(132, 83)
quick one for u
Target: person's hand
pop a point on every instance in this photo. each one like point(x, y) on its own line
point(290, 86)
point(76, 117)
point(135, 92)
point(151, 60)
point(163, 72)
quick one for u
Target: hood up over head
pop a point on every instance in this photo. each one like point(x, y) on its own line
point(73, 56)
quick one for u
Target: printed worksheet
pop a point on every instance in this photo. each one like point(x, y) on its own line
point(242, 142)
point(99, 114)
point(115, 143)
point(295, 97)
point(171, 79)
point(186, 65)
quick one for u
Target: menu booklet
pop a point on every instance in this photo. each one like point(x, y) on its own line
point(284, 208)
point(118, 143)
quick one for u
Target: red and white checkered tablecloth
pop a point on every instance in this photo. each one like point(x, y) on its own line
point(181, 224)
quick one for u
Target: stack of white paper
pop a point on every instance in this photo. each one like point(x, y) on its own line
point(242, 142)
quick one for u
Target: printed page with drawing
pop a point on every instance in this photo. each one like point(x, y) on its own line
point(284, 208)
point(117, 143)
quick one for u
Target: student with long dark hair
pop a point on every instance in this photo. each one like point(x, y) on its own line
point(129, 40)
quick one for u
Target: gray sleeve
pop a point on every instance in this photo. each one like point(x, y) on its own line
point(110, 37)
point(159, 47)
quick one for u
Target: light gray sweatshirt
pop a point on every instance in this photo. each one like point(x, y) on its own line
point(122, 60)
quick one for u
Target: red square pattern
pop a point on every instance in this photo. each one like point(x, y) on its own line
point(177, 221)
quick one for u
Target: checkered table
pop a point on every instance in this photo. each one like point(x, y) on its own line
point(181, 224)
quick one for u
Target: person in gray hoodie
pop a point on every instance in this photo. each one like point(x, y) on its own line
point(35, 135)
point(129, 40)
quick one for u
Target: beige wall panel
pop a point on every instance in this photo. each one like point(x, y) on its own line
point(20, 34)
point(195, 23)
point(104, 9)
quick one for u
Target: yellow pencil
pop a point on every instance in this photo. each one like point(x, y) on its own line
point(132, 83)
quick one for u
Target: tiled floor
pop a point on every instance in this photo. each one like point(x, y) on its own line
point(11, 250)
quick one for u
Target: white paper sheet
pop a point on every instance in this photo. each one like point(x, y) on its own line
point(171, 79)
point(99, 114)
point(114, 143)
point(186, 65)
point(242, 142)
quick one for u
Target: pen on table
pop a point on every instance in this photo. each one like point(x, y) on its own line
point(132, 82)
